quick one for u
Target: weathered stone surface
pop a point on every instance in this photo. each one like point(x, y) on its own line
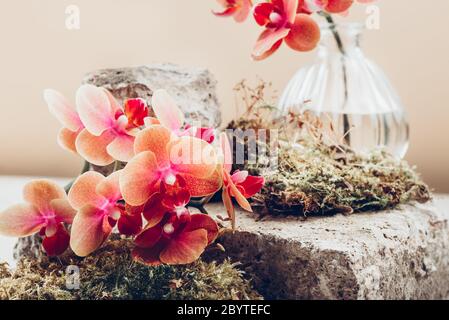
point(401, 254)
point(194, 89)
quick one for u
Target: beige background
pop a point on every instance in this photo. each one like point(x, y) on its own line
point(37, 52)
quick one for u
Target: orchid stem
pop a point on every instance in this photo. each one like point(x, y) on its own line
point(85, 169)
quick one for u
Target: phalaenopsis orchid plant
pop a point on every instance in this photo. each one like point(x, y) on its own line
point(289, 21)
point(168, 163)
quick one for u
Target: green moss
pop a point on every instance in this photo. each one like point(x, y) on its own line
point(110, 273)
point(317, 173)
point(322, 180)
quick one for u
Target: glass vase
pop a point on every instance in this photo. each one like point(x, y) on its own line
point(350, 93)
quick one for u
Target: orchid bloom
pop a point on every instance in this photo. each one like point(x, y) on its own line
point(63, 110)
point(173, 235)
point(110, 128)
point(161, 156)
point(45, 211)
point(239, 185)
point(170, 116)
point(97, 200)
point(282, 22)
point(239, 9)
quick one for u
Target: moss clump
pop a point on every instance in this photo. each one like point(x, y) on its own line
point(111, 274)
point(317, 172)
point(323, 180)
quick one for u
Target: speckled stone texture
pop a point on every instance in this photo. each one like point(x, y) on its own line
point(400, 254)
point(194, 89)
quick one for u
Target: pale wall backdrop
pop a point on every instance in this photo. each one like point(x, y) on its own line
point(37, 51)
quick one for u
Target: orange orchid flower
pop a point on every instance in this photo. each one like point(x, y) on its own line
point(110, 128)
point(46, 211)
point(163, 156)
point(97, 200)
point(282, 22)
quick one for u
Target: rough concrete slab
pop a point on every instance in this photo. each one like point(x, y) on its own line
point(399, 254)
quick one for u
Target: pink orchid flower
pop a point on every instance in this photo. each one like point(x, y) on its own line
point(173, 235)
point(46, 211)
point(170, 116)
point(282, 22)
point(161, 156)
point(239, 185)
point(97, 200)
point(239, 9)
point(110, 128)
point(63, 110)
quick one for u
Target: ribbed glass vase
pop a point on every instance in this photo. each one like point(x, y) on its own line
point(345, 88)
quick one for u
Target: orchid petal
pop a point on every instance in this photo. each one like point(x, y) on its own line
point(290, 8)
point(58, 243)
point(93, 148)
point(84, 191)
point(21, 220)
point(63, 210)
point(116, 107)
point(94, 108)
point(193, 156)
point(201, 187)
point(186, 248)
point(252, 185)
point(227, 201)
point(262, 13)
point(139, 179)
point(40, 193)
point(268, 42)
point(149, 237)
point(130, 224)
point(244, 11)
point(62, 109)
point(148, 256)
point(150, 121)
point(203, 221)
point(87, 233)
point(154, 139)
point(154, 210)
point(109, 187)
point(167, 111)
point(67, 139)
point(122, 148)
point(228, 12)
point(239, 176)
point(338, 6)
point(227, 152)
point(304, 34)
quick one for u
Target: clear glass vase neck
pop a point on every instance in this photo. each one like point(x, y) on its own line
point(340, 39)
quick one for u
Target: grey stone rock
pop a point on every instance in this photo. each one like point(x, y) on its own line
point(399, 254)
point(194, 89)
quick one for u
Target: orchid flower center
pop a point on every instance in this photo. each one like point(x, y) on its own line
point(276, 19)
point(169, 229)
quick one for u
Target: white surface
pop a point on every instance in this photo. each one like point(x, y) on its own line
point(10, 194)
